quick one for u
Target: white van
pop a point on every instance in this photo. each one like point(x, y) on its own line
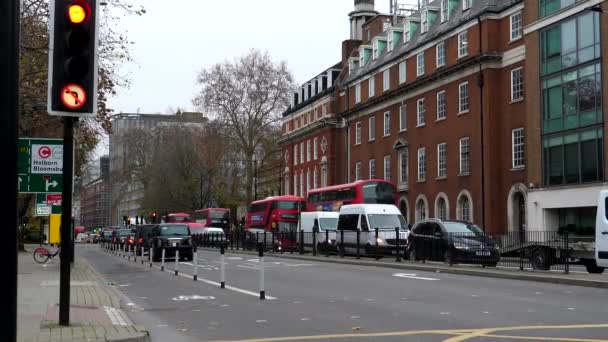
point(601, 230)
point(363, 220)
point(324, 223)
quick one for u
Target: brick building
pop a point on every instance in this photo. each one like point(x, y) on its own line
point(95, 200)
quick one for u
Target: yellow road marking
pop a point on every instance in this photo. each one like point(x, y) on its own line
point(537, 338)
point(484, 332)
point(461, 334)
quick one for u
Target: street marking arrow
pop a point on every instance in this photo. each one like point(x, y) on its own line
point(411, 276)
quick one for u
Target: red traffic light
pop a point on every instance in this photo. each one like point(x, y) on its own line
point(78, 12)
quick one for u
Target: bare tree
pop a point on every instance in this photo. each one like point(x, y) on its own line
point(248, 96)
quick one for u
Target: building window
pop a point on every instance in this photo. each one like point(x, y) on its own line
point(375, 49)
point(548, 7)
point(440, 52)
point(372, 128)
point(406, 32)
point(387, 168)
point(358, 133)
point(387, 124)
point(424, 18)
point(316, 148)
point(295, 154)
point(421, 164)
point(403, 167)
point(302, 183)
point(463, 98)
point(403, 118)
point(516, 26)
point(444, 10)
point(442, 160)
point(324, 176)
point(463, 44)
point(402, 72)
point(465, 156)
point(574, 158)
point(420, 64)
point(302, 160)
point(308, 184)
point(466, 4)
point(442, 209)
point(358, 169)
point(421, 210)
point(372, 86)
point(358, 93)
point(441, 106)
point(517, 84)
point(421, 112)
point(570, 43)
point(308, 150)
point(517, 139)
point(295, 184)
point(464, 208)
point(372, 169)
point(315, 178)
point(386, 80)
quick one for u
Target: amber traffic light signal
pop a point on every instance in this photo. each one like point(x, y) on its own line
point(73, 58)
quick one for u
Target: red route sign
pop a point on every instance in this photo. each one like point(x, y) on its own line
point(53, 199)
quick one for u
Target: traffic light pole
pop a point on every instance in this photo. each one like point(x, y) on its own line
point(66, 221)
point(9, 117)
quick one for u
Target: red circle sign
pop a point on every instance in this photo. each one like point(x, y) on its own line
point(73, 96)
point(44, 152)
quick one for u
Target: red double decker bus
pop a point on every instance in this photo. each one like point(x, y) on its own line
point(373, 191)
point(177, 218)
point(213, 217)
point(278, 215)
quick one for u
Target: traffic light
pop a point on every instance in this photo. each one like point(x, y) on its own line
point(73, 58)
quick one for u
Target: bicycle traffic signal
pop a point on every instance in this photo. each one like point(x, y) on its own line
point(73, 58)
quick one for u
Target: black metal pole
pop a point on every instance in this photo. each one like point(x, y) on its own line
point(9, 118)
point(66, 222)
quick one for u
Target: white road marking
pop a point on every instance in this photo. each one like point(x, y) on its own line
point(261, 321)
point(304, 319)
point(412, 276)
point(234, 258)
point(250, 267)
point(193, 297)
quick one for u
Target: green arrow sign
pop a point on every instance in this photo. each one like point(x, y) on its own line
point(40, 165)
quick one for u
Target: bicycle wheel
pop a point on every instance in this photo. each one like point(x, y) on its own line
point(41, 255)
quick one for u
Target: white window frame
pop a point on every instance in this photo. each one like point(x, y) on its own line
point(358, 171)
point(372, 86)
point(315, 148)
point(295, 154)
point(403, 174)
point(421, 174)
point(463, 44)
point(440, 62)
point(465, 164)
point(420, 64)
point(387, 168)
point(371, 127)
point(358, 93)
point(442, 110)
point(302, 183)
point(315, 178)
point(517, 94)
point(406, 32)
point(517, 31)
point(460, 209)
point(375, 49)
point(389, 41)
point(386, 80)
point(403, 118)
point(518, 150)
point(308, 150)
point(386, 124)
point(463, 98)
point(424, 21)
point(302, 151)
point(324, 176)
point(402, 72)
point(445, 10)
point(466, 4)
point(286, 190)
point(308, 183)
point(295, 184)
point(442, 160)
point(372, 168)
point(358, 129)
point(420, 112)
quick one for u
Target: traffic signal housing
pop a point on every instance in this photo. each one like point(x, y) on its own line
point(73, 58)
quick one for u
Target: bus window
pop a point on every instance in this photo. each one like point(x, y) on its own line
point(378, 193)
point(288, 205)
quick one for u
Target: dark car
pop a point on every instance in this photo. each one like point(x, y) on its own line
point(451, 242)
point(121, 236)
point(172, 237)
point(144, 237)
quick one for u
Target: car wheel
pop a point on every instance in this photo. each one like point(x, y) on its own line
point(412, 255)
point(593, 268)
point(540, 259)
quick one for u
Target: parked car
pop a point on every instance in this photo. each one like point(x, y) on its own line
point(363, 220)
point(452, 242)
point(172, 237)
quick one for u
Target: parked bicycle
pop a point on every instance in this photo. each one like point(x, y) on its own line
point(42, 255)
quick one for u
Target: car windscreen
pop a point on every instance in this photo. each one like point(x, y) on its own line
point(328, 223)
point(462, 228)
point(123, 232)
point(386, 221)
point(175, 230)
point(219, 215)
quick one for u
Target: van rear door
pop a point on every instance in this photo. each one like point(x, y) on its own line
point(601, 230)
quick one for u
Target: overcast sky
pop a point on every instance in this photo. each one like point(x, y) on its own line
point(176, 39)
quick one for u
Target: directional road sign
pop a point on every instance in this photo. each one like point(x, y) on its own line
point(40, 165)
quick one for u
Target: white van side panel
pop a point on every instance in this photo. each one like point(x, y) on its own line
point(601, 230)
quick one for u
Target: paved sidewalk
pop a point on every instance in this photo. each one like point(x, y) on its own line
point(95, 312)
point(576, 279)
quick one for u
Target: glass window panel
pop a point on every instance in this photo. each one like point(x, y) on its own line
point(585, 30)
point(555, 165)
point(570, 138)
point(569, 60)
point(571, 163)
point(587, 92)
point(568, 36)
point(586, 71)
point(571, 121)
point(555, 103)
point(570, 94)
